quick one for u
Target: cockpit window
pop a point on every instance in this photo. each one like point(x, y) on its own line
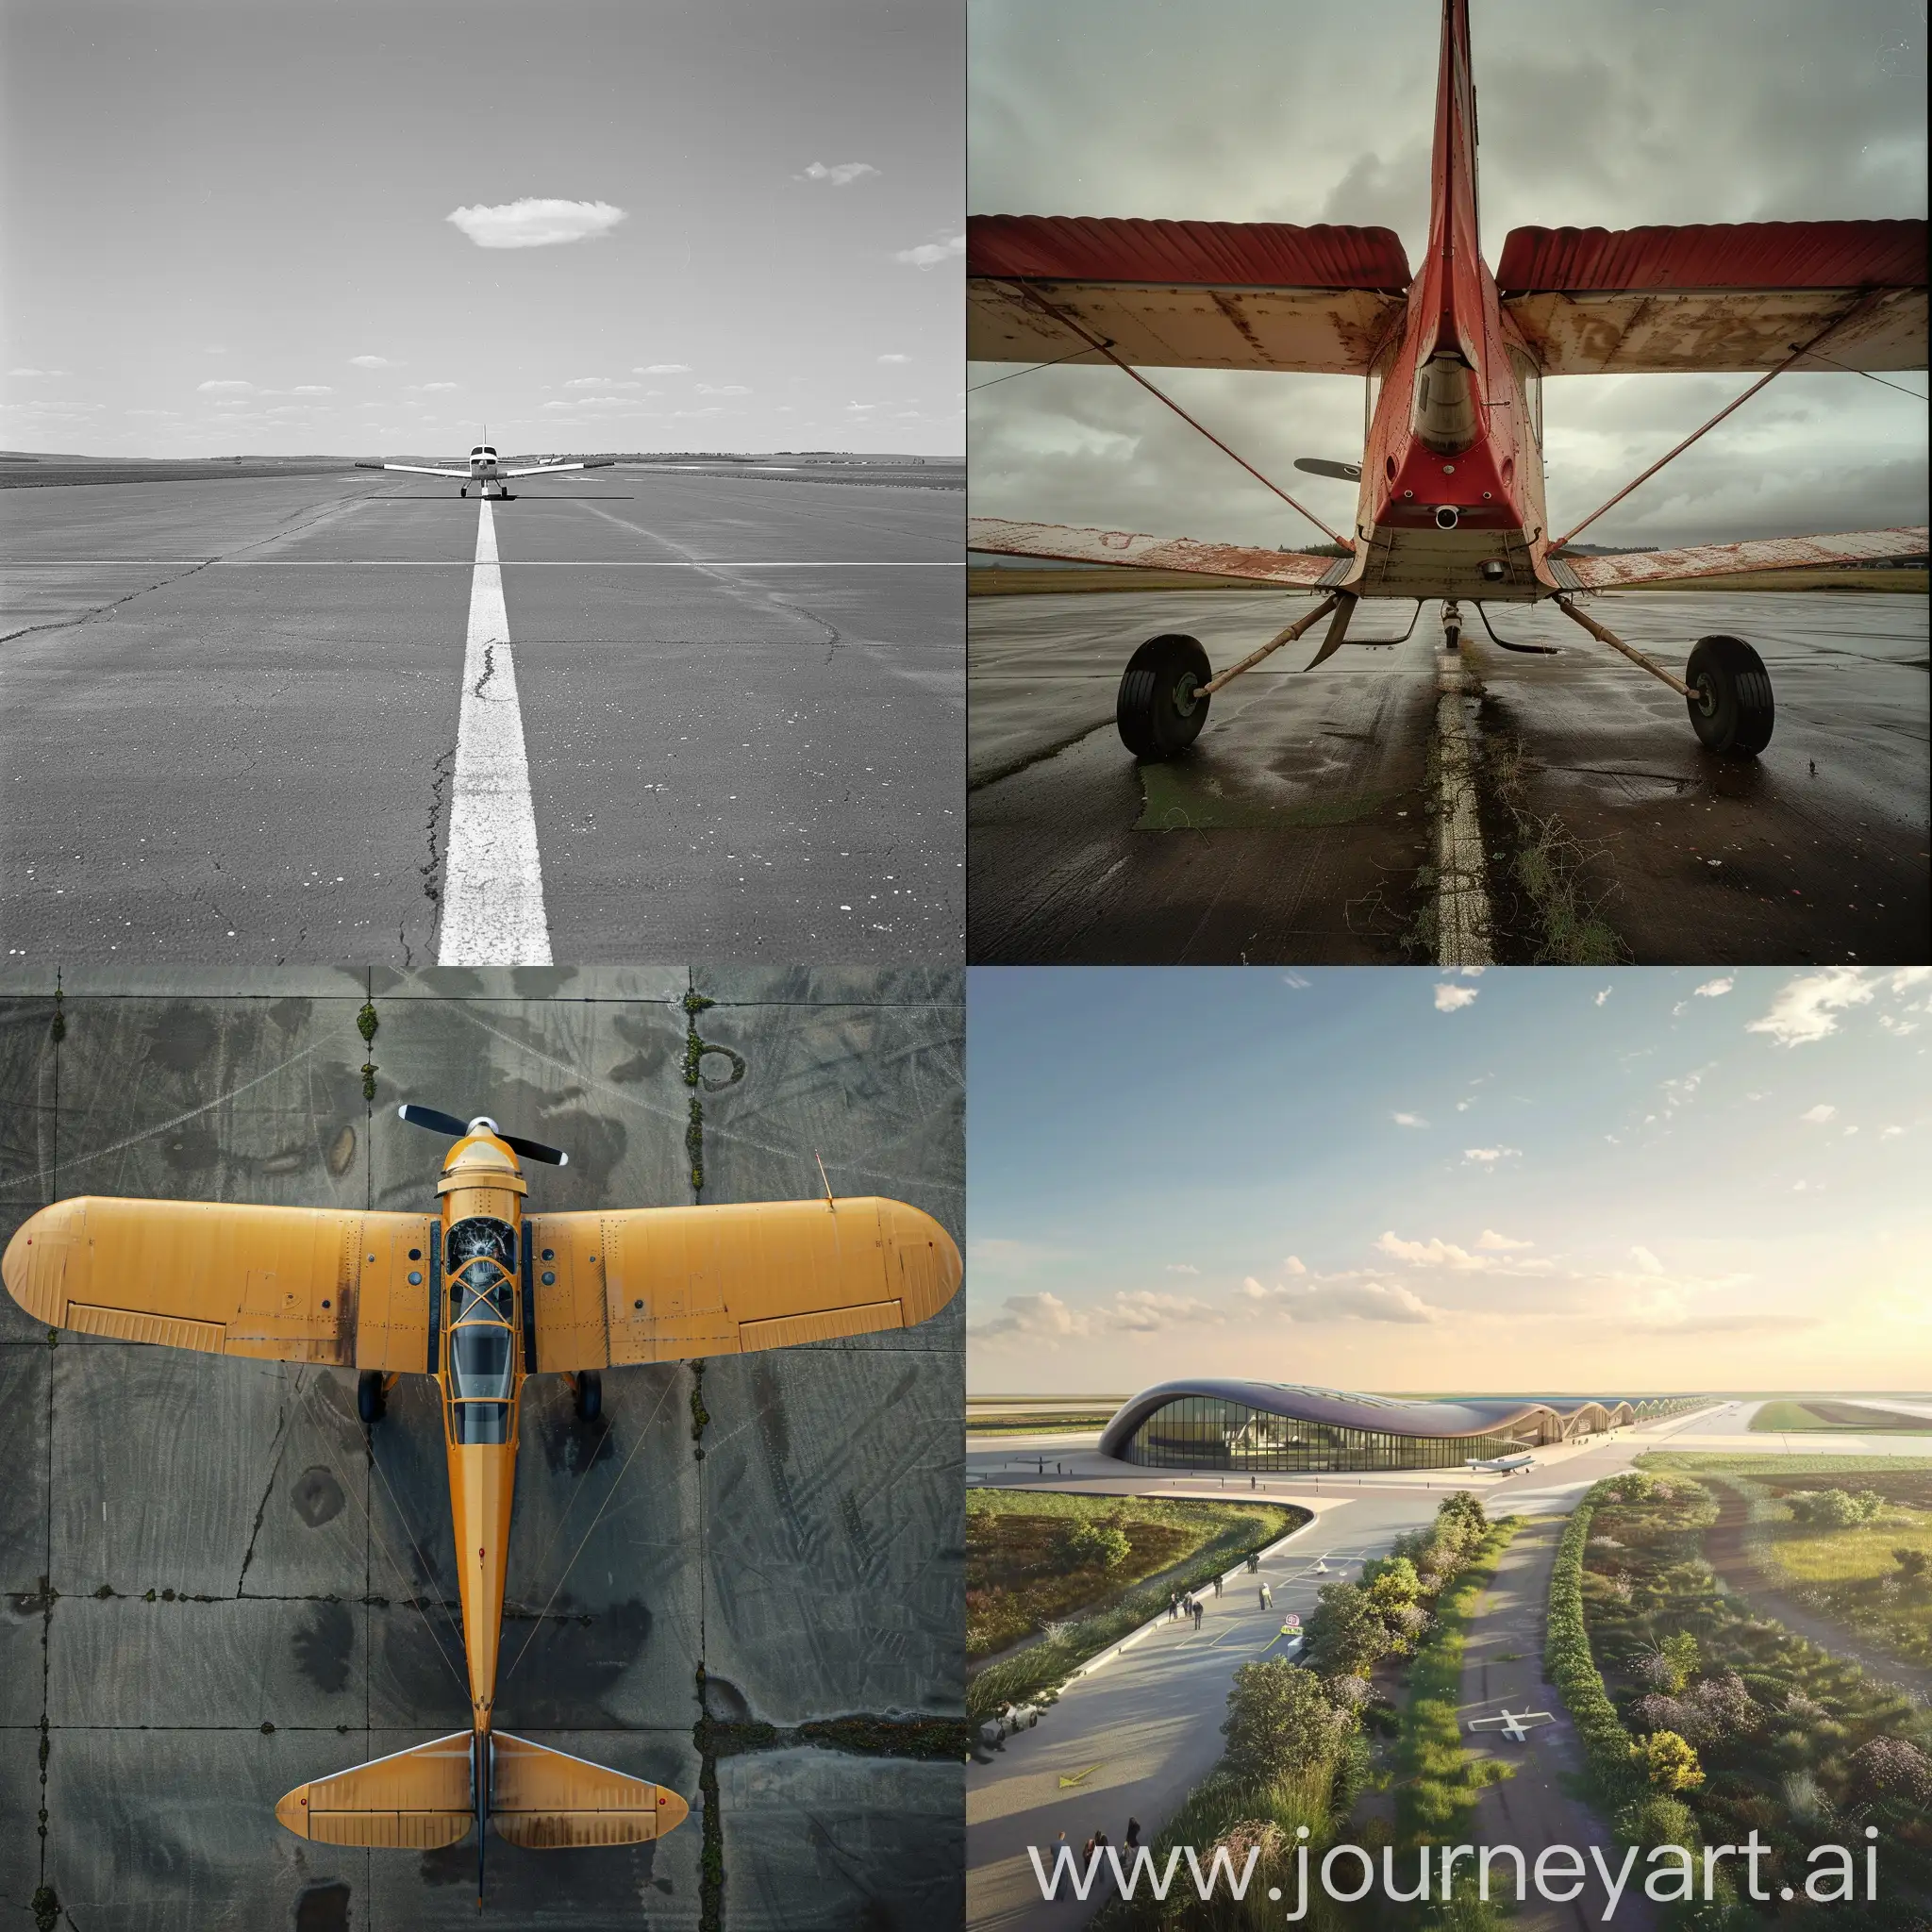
point(479, 1362)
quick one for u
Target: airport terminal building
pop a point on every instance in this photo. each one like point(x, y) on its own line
point(1277, 1428)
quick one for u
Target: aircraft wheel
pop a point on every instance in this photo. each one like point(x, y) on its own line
point(369, 1397)
point(1159, 712)
point(589, 1396)
point(464, 492)
point(1732, 712)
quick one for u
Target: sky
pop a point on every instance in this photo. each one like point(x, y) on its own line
point(1592, 112)
point(227, 225)
point(1528, 1180)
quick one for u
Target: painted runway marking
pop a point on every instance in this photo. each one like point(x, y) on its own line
point(492, 889)
point(1462, 893)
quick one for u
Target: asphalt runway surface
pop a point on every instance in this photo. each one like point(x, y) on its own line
point(215, 1584)
point(229, 717)
point(1295, 829)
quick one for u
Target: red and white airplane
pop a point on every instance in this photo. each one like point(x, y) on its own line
point(1451, 501)
point(486, 468)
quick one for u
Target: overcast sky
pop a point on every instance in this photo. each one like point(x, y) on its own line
point(1397, 1179)
point(1593, 113)
point(226, 227)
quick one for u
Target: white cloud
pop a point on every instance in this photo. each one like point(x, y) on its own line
point(1495, 1242)
point(841, 174)
point(1450, 999)
point(1715, 989)
point(722, 389)
point(895, 358)
point(1296, 981)
point(1356, 1301)
point(930, 254)
point(315, 389)
point(1182, 1268)
point(1889, 1132)
point(1818, 1115)
point(1294, 1264)
point(662, 368)
point(1806, 1008)
point(431, 388)
point(223, 389)
point(1646, 1260)
point(1488, 1156)
point(1036, 1317)
point(49, 373)
point(861, 407)
point(1044, 1318)
point(1408, 1120)
point(535, 222)
point(1604, 994)
point(588, 382)
point(371, 362)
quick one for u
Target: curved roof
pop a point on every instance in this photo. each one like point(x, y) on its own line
point(1473, 1416)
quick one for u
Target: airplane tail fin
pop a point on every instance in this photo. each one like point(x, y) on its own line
point(424, 1797)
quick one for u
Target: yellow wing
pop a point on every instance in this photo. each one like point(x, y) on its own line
point(665, 1283)
point(282, 1284)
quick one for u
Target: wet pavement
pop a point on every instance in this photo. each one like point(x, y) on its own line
point(1296, 830)
point(215, 1586)
point(228, 714)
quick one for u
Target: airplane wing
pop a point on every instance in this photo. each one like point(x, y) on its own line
point(1182, 294)
point(667, 1284)
point(279, 1284)
point(1721, 560)
point(1068, 545)
point(544, 468)
point(1593, 302)
point(418, 469)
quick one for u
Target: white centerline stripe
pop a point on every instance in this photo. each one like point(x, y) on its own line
point(493, 886)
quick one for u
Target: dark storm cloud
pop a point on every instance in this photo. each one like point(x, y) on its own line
point(1590, 114)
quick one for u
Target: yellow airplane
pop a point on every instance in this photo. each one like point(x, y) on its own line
point(481, 1297)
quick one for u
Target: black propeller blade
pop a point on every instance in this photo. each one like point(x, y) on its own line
point(1320, 466)
point(447, 1123)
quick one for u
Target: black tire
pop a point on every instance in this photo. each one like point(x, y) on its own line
point(370, 1402)
point(1732, 712)
point(589, 1396)
point(1158, 712)
point(464, 491)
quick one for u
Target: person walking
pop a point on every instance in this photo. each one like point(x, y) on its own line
point(1133, 1834)
point(1217, 1586)
point(1173, 1604)
point(1266, 1598)
point(1199, 1613)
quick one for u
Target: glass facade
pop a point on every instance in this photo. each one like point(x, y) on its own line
point(1210, 1432)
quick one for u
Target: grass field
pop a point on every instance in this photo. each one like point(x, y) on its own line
point(1016, 1584)
point(1852, 1418)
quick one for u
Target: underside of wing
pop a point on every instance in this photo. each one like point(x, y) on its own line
point(1724, 560)
point(282, 1284)
point(545, 469)
point(418, 469)
point(667, 1284)
point(1597, 302)
point(1181, 295)
point(1066, 545)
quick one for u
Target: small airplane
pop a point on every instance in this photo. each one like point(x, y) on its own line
point(1501, 1465)
point(481, 1297)
point(1450, 487)
point(486, 468)
point(1515, 1727)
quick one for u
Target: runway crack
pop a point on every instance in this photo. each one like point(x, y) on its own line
point(102, 609)
point(432, 867)
point(489, 671)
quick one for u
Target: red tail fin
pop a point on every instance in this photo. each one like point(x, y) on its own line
point(1453, 257)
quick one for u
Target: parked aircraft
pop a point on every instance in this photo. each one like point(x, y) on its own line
point(1450, 503)
point(1515, 1727)
point(1502, 1465)
point(481, 1295)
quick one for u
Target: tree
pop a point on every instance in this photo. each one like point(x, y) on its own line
point(1391, 1582)
point(1279, 1717)
point(1669, 1763)
point(1460, 1518)
point(1345, 1632)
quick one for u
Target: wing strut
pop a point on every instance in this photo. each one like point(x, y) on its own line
point(1799, 350)
point(1106, 348)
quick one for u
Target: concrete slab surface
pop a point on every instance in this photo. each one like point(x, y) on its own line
point(248, 1589)
point(228, 715)
point(1294, 830)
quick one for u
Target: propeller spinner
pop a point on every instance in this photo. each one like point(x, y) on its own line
point(447, 1123)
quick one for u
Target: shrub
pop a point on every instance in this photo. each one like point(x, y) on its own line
point(1345, 1632)
point(1086, 1544)
point(1668, 1761)
point(1893, 1765)
point(1836, 1509)
point(1657, 1821)
point(1573, 1669)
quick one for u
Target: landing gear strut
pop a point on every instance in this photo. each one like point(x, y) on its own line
point(588, 1390)
point(1724, 684)
point(371, 1389)
point(464, 491)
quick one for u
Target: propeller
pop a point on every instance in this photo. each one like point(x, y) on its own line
point(1320, 466)
point(438, 1122)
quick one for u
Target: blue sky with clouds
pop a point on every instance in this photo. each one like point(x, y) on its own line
point(1400, 1179)
point(228, 226)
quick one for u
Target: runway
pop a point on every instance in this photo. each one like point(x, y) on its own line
point(1299, 830)
point(215, 1584)
point(232, 720)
